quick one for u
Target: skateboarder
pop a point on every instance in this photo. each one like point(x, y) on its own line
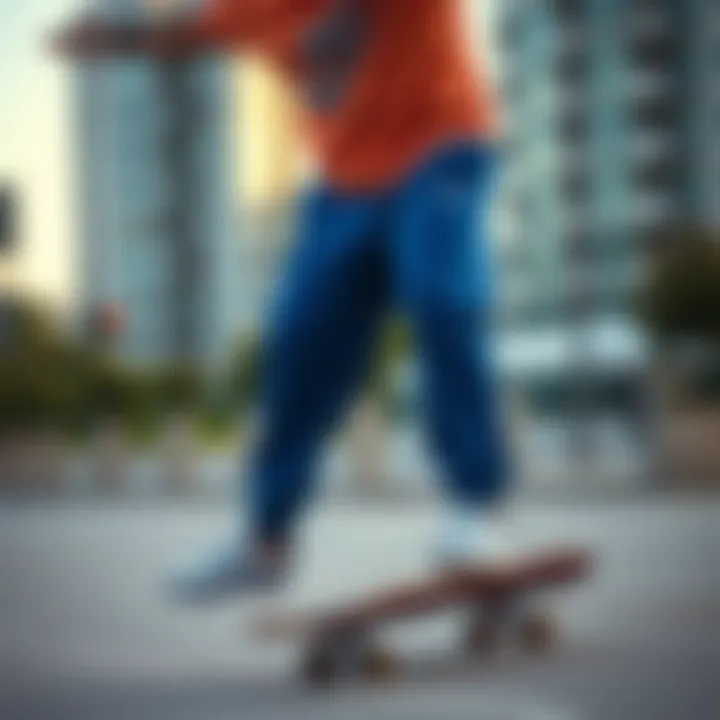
point(403, 125)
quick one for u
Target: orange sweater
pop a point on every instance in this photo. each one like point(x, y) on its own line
point(383, 81)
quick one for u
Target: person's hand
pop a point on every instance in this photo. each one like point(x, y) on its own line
point(93, 35)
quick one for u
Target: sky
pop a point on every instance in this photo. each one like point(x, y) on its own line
point(36, 147)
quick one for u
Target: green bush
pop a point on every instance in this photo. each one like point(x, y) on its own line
point(240, 392)
point(180, 387)
point(681, 308)
point(394, 348)
point(50, 380)
point(40, 371)
point(681, 301)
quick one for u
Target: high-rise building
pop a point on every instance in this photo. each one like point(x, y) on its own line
point(156, 202)
point(614, 137)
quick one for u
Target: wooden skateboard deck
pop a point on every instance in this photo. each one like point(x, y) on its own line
point(338, 640)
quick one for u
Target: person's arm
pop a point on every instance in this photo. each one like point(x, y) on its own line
point(92, 36)
point(219, 24)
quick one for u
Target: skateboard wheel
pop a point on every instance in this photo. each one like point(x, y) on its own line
point(325, 660)
point(319, 668)
point(482, 639)
point(379, 664)
point(538, 632)
point(337, 656)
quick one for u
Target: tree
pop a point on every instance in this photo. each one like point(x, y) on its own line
point(680, 306)
point(244, 379)
point(39, 393)
point(393, 350)
point(180, 388)
point(681, 301)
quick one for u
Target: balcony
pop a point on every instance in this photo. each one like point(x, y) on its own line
point(570, 11)
point(662, 178)
point(577, 186)
point(647, 86)
point(655, 113)
point(573, 101)
point(652, 209)
point(648, 147)
point(660, 50)
point(514, 27)
point(574, 39)
point(649, 20)
point(573, 64)
point(574, 127)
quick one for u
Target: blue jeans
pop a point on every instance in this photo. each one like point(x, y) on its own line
point(419, 246)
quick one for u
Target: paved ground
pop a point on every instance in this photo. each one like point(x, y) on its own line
point(85, 631)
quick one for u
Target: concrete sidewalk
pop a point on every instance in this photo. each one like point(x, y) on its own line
point(86, 631)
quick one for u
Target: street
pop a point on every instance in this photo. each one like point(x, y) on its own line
point(87, 632)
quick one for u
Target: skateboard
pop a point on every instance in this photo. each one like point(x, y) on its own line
point(497, 605)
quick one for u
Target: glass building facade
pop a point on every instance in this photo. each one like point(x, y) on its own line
point(613, 129)
point(158, 236)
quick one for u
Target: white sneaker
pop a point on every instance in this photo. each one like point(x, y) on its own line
point(472, 538)
point(234, 570)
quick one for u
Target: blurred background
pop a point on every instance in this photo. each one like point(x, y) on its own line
point(146, 206)
point(145, 210)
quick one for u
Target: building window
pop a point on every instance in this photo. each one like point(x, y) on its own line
point(663, 175)
point(574, 65)
point(569, 10)
point(577, 186)
point(514, 28)
point(655, 113)
point(574, 126)
point(660, 50)
point(514, 88)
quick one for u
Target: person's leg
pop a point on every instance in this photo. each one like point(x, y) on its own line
point(442, 269)
point(324, 326)
point(322, 331)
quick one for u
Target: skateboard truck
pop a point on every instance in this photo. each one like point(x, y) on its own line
point(500, 604)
